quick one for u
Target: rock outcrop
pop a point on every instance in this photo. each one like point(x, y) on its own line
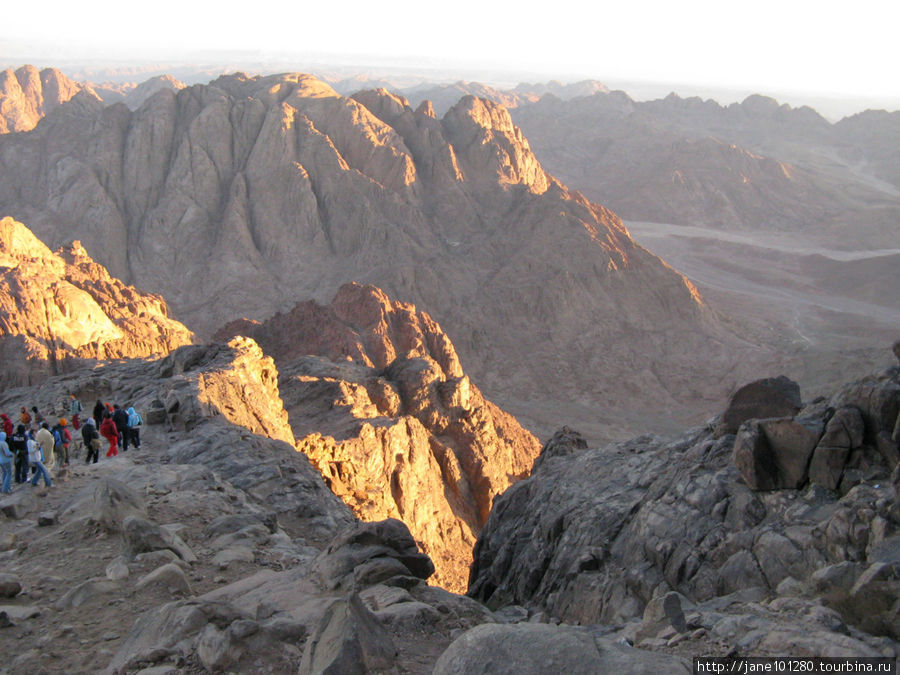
point(28, 94)
point(673, 533)
point(218, 548)
point(388, 416)
point(294, 191)
point(59, 308)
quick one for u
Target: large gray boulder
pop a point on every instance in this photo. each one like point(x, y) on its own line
point(368, 553)
point(140, 535)
point(349, 640)
point(525, 649)
point(774, 454)
point(770, 397)
point(845, 432)
point(878, 399)
point(113, 502)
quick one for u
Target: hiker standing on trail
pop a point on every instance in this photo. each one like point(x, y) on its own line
point(120, 417)
point(36, 460)
point(46, 439)
point(110, 433)
point(62, 437)
point(6, 464)
point(25, 417)
point(18, 444)
point(99, 409)
point(91, 440)
point(75, 411)
point(135, 422)
point(36, 418)
point(7, 425)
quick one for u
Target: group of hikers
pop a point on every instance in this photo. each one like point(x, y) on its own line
point(33, 443)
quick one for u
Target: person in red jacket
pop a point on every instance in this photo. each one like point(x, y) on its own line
point(109, 431)
point(7, 425)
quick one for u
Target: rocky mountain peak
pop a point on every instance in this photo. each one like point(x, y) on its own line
point(28, 94)
point(378, 400)
point(58, 308)
point(482, 132)
point(19, 244)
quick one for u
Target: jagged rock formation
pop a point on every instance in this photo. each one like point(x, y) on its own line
point(457, 215)
point(214, 547)
point(56, 308)
point(750, 165)
point(27, 94)
point(388, 416)
point(444, 97)
point(670, 532)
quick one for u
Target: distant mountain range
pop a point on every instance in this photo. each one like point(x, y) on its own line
point(243, 196)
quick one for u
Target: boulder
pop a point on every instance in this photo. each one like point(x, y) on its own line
point(770, 397)
point(86, 592)
point(17, 505)
point(10, 586)
point(143, 536)
point(169, 576)
point(564, 442)
point(844, 432)
point(662, 613)
point(878, 399)
point(46, 518)
point(348, 640)
point(527, 648)
point(368, 553)
point(873, 603)
point(774, 454)
point(113, 502)
point(117, 569)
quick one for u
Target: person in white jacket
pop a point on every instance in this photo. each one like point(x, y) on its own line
point(36, 459)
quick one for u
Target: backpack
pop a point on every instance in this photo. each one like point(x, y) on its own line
point(57, 437)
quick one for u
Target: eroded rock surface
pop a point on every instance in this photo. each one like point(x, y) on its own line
point(604, 535)
point(388, 416)
point(27, 94)
point(59, 308)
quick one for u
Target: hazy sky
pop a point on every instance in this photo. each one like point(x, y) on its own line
point(789, 45)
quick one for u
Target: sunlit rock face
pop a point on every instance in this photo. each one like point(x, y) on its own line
point(27, 94)
point(59, 307)
point(379, 402)
point(247, 195)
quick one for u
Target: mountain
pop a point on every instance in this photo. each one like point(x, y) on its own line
point(27, 94)
point(444, 97)
point(217, 547)
point(379, 402)
point(241, 197)
point(59, 308)
point(779, 534)
point(754, 165)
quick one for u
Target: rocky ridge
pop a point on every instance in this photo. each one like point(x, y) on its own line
point(58, 308)
point(456, 215)
point(379, 402)
point(215, 547)
point(749, 165)
point(28, 94)
point(781, 538)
